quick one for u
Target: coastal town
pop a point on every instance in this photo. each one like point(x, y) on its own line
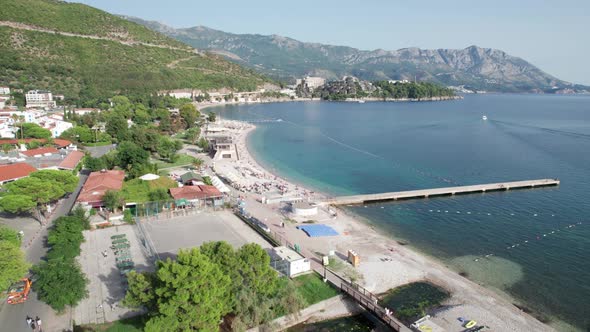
point(209, 186)
point(156, 178)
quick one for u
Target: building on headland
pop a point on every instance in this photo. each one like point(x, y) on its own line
point(59, 97)
point(4, 90)
point(398, 81)
point(289, 262)
point(39, 99)
point(312, 82)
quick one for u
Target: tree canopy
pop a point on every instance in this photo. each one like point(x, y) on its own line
point(60, 280)
point(12, 260)
point(205, 284)
point(32, 130)
point(60, 283)
point(190, 115)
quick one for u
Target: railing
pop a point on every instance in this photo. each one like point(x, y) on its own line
point(370, 302)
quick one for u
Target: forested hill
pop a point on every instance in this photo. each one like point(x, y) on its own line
point(85, 53)
point(283, 57)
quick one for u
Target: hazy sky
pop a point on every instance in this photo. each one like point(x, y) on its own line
point(553, 35)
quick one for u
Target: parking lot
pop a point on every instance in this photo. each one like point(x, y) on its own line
point(107, 285)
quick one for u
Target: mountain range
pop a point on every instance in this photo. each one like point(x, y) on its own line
point(86, 54)
point(286, 59)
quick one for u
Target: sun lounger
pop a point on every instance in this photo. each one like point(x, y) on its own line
point(117, 236)
point(119, 241)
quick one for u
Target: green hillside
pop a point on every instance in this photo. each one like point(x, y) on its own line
point(110, 62)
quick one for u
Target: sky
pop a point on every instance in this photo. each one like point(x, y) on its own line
point(552, 35)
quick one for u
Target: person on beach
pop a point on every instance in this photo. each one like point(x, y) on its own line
point(38, 320)
point(29, 321)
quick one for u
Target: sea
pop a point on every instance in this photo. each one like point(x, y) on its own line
point(532, 245)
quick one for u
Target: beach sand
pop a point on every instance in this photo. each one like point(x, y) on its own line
point(385, 264)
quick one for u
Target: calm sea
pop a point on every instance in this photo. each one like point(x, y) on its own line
point(537, 241)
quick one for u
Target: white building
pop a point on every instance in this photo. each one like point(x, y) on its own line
point(55, 126)
point(312, 82)
point(39, 99)
point(4, 90)
point(3, 100)
point(6, 129)
point(82, 111)
point(181, 93)
point(289, 262)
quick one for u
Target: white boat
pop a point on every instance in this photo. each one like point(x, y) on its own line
point(361, 101)
point(484, 117)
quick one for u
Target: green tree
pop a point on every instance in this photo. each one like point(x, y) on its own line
point(158, 194)
point(190, 115)
point(191, 294)
point(192, 134)
point(64, 179)
point(40, 191)
point(203, 144)
point(7, 147)
point(122, 106)
point(211, 117)
point(32, 130)
point(116, 126)
point(140, 292)
point(168, 147)
point(16, 204)
point(140, 115)
point(60, 283)
point(12, 260)
point(131, 155)
point(163, 115)
point(112, 200)
point(65, 238)
point(95, 164)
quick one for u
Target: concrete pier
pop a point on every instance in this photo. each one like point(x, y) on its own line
point(425, 193)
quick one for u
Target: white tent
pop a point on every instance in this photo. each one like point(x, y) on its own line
point(149, 177)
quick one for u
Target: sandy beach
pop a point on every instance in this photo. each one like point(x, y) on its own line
point(385, 263)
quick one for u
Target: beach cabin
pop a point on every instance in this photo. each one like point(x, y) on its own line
point(289, 262)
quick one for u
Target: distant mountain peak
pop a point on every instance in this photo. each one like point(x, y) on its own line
point(286, 58)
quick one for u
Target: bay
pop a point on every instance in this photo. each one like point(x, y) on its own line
point(536, 241)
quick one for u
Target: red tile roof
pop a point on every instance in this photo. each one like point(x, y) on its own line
point(195, 192)
point(15, 171)
point(98, 183)
point(71, 160)
point(39, 151)
point(60, 143)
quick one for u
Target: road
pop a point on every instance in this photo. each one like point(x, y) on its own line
point(13, 317)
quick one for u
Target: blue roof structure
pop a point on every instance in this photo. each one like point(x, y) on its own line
point(317, 230)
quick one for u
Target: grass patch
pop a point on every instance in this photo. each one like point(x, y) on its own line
point(137, 190)
point(341, 267)
point(313, 289)
point(410, 302)
point(183, 159)
point(133, 324)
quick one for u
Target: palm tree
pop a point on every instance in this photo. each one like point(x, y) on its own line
point(198, 163)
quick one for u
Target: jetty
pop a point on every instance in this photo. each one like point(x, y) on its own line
point(448, 191)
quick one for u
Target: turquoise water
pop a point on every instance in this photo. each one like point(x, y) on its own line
point(346, 148)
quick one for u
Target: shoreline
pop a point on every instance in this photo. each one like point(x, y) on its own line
point(202, 106)
point(468, 298)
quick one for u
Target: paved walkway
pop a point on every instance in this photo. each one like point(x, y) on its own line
point(12, 317)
